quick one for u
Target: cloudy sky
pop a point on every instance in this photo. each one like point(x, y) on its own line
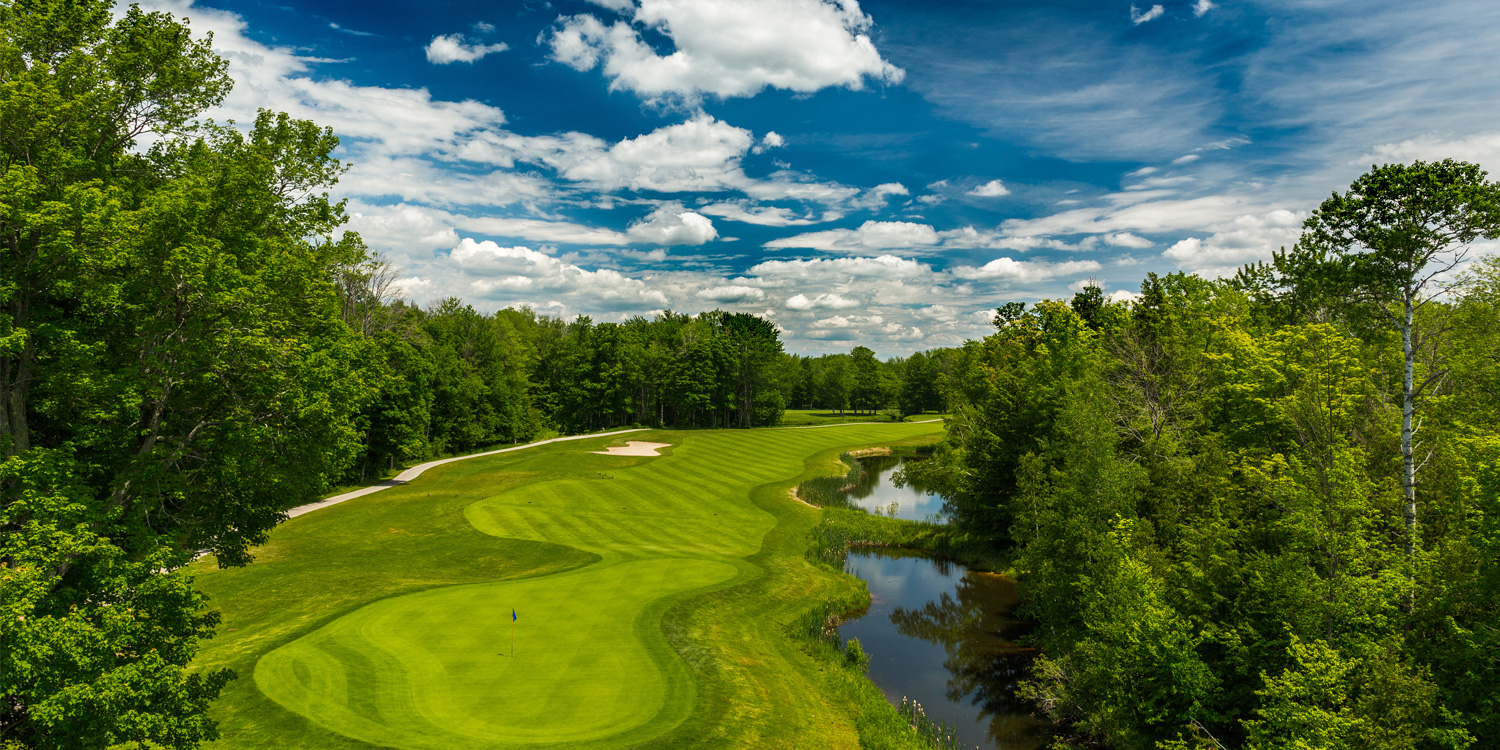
point(883, 173)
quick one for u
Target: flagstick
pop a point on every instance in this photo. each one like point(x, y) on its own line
point(512, 638)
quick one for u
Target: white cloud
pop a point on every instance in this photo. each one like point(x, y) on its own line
point(871, 235)
point(821, 302)
point(412, 285)
point(991, 189)
point(1482, 149)
point(1144, 215)
point(451, 48)
point(877, 196)
point(731, 294)
point(766, 216)
point(1186, 159)
point(1138, 18)
point(701, 154)
point(1251, 238)
point(512, 272)
point(402, 229)
point(887, 267)
point(1023, 271)
point(770, 140)
point(726, 48)
point(671, 224)
point(1202, 7)
point(1126, 239)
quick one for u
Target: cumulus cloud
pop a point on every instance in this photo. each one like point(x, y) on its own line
point(731, 294)
point(1201, 7)
point(451, 48)
point(1138, 18)
point(1022, 271)
point(512, 272)
point(820, 302)
point(769, 141)
point(1251, 238)
point(887, 267)
point(726, 48)
point(701, 154)
point(871, 235)
point(991, 189)
point(877, 196)
point(403, 229)
point(671, 224)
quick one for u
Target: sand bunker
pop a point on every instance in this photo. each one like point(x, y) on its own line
point(634, 448)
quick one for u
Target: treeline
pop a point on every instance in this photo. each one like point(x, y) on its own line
point(859, 382)
point(1259, 513)
point(450, 379)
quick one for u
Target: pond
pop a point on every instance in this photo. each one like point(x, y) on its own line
point(945, 637)
point(874, 492)
point(938, 633)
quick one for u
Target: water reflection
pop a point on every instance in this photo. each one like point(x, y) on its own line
point(945, 636)
point(873, 491)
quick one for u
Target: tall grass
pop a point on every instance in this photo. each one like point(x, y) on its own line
point(938, 734)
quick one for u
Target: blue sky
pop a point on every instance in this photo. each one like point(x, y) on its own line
point(880, 173)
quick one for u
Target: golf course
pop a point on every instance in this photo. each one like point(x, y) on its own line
point(550, 596)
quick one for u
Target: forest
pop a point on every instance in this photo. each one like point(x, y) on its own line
point(190, 345)
point(1261, 512)
point(446, 378)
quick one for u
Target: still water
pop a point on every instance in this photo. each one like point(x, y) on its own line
point(938, 633)
point(875, 493)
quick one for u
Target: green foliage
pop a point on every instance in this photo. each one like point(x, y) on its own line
point(855, 656)
point(173, 369)
point(1210, 493)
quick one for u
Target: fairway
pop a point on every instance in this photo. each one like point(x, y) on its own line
point(594, 663)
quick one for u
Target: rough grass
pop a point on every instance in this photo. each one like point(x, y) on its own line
point(657, 600)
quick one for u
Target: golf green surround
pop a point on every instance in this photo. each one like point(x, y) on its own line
point(631, 567)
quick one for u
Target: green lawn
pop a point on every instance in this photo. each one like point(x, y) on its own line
point(654, 598)
point(804, 417)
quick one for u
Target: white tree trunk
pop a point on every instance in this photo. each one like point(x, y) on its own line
point(1408, 408)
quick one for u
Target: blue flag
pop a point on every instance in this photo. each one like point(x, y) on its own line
point(512, 615)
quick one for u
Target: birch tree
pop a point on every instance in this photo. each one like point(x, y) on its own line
point(1395, 239)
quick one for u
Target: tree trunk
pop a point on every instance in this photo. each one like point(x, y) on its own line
point(1408, 408)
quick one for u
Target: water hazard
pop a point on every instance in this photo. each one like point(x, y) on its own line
point(873, 491)
point(940, 634)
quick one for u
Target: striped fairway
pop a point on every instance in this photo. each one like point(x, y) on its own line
point(591, 665)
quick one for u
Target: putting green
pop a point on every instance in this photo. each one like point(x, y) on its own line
point(593, 666)
point(435, 670)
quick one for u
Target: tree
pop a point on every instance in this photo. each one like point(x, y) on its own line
point(919, 391)
point(864, 387)
point(175, 371)
point(1391, 240)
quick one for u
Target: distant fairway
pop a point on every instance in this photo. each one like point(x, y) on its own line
point(606, 560)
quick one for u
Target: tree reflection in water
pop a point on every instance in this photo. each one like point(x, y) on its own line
point(977, 630)
point(871, 488)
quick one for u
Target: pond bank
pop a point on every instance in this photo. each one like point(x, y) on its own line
point(940, 627)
